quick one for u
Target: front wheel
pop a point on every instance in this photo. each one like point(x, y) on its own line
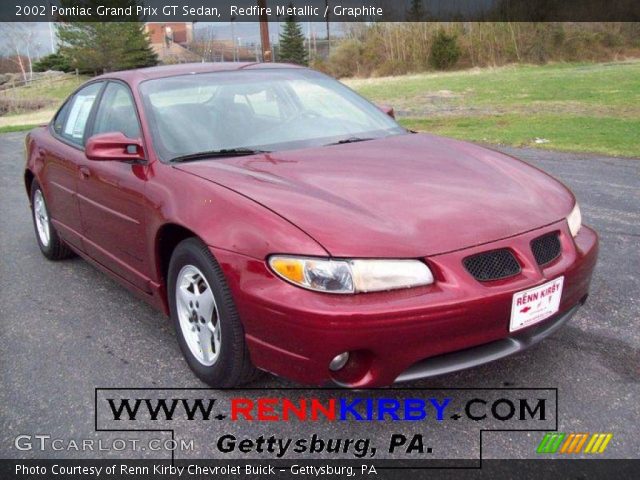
point(209, 330)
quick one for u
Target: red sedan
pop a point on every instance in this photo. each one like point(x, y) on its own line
point(288, 225)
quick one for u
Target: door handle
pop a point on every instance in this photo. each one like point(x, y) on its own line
point(85, 173)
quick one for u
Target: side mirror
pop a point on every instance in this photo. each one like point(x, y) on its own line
point(114, 146)
point(388, 110)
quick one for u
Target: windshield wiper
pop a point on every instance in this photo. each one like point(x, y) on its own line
point(350, 140)
point(224, 152)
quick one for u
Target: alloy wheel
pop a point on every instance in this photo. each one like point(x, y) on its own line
point(198, 315)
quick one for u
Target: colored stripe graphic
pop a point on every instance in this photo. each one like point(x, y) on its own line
point(598, 442)
point(550, 443)
point(574, 443)
point(580, 443)
point(556, 442)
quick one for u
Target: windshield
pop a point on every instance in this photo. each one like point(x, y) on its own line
point(262, 110)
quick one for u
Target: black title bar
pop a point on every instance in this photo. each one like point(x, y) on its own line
point(320, 10)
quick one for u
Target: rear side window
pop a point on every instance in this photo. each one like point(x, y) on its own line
point(71, 121)
point(117, 112)
point(58, 123)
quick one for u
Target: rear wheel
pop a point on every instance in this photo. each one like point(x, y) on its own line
point(49, 242)
point(209, 331)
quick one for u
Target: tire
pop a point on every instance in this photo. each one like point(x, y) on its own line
point(49, 242)
point(210, 334)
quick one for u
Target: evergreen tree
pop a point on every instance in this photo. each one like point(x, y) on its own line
point(98, 47)
point(445, 51)
point(292, 43)
point(53, 61)
point(416, 11)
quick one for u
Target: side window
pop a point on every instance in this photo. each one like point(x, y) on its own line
point(72, 119)
point(116, 112)
point(58, 123)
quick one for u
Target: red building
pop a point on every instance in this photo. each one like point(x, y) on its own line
point(170, 39)
point(170, 32)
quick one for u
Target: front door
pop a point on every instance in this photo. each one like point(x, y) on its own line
point(111, 195)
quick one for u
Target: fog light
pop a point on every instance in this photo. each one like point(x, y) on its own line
point(339, 361)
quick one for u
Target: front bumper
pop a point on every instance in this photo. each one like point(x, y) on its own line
point(405, 334)
point(474, 356)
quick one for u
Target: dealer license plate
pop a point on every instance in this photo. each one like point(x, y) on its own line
point(534, 305)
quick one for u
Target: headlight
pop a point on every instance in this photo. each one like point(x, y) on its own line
point(351, 276)
point(575, 220)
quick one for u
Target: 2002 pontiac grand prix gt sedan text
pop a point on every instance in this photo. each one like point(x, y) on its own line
point(288, 225)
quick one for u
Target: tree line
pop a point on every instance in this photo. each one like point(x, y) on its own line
point(397, 48)
point(369, 49)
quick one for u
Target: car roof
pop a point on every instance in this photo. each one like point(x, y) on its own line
point(141, 74)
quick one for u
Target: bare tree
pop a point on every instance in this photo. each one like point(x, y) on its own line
point(20, 44)
point(204, 43)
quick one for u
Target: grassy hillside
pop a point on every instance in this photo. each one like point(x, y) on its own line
point(49, 93)
point(574, 107)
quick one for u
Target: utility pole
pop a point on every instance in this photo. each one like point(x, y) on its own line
point(233, 38)
point(309, 38)
point(326, 3)
point(264, 32)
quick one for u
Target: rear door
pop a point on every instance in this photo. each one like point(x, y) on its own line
point(111, 194)
point(62, 159)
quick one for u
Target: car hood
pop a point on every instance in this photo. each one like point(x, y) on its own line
point(410, 195)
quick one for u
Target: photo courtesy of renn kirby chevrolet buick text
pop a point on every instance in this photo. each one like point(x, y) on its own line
point(288, 225)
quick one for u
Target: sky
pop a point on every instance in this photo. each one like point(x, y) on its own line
point(42, 38)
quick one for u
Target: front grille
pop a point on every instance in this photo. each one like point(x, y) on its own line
point(546, 248)
point(492, 265)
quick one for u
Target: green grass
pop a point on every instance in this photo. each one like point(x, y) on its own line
point(16, 128)
point(56, 89)
point(607, 135)
point(50, 92)
point(576, 107)
point(597, 84)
